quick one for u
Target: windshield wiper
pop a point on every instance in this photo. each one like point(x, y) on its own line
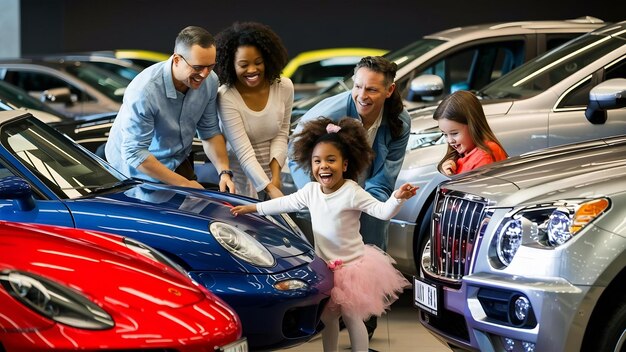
point(123, 183)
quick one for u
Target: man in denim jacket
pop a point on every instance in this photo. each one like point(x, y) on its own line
point(375, 102)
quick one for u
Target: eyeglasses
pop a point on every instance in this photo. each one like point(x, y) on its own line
point(197, 68)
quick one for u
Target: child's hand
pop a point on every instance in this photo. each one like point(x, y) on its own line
point(448, 167)
point(406, 191)
point(243, 209)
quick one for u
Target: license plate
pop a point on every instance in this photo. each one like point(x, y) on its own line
point(240, 345)
point(425, 296)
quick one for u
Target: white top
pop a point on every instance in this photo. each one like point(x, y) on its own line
point(255, 137)
point(335, 217)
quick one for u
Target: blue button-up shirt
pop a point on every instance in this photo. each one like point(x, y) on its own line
point(157, 119)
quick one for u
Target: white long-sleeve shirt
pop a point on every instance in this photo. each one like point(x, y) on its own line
point(256, 137)
point(335, 217)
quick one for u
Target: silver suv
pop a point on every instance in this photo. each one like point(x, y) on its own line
point(467, 57)
point(543, 103)
point(529, 254)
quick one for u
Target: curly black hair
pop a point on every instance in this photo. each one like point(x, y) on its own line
point(351, 140)
point(255, 34)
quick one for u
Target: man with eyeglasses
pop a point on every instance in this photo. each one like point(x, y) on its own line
point(164, 108)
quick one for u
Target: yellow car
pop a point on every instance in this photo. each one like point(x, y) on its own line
point(314, 70)
point(142, 58)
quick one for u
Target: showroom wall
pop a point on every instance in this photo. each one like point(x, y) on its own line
point(79, 25)
point(10, 28)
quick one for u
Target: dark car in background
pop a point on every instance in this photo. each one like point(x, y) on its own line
point(120, 67)
point(73, 88)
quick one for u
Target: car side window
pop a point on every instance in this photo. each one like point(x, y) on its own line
point(37, 82)
point(474, 67)
point(322, 71)
point(556, 40)
point(579, 96)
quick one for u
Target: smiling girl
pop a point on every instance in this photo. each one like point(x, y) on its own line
point(366, 283)
point(471, 142)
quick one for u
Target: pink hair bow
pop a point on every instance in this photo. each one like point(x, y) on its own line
point(332, 128)
point(335, 264)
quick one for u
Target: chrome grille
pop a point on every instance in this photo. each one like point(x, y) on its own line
point(457, 221)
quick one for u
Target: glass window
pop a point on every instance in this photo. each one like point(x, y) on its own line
point(105, 82)
point(547, 70)
point(476, 66)
point(66, 169)
point(37, 82)
point(579, 96)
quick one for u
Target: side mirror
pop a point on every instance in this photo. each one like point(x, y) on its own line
point(425, 86)
point(605, 96)
point(15, 188)
point(57, 96)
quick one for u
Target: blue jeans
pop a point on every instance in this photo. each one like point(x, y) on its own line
point(374, 231)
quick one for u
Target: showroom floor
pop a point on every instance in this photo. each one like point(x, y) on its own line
point(398, 330)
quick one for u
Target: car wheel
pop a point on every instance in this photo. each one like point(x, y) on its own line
point(610, 334)
point(423, 238)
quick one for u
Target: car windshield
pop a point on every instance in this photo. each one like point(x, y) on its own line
point(67, 169)
point(547, 70)
point(401, 57)
point(107, 83)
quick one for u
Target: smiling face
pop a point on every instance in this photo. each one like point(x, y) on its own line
point(249, 67)
point(369, 93)
point(328, 166)
point(192, 68)
point(457, 135)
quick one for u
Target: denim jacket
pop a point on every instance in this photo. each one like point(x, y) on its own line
point(389, 153)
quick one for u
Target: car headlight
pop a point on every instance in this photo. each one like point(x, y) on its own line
point(424, 139)
point(545, 226)
point(54, 301)
point(147, 251)
point(241, 244)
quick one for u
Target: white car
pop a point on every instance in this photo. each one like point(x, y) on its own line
point(541, 104)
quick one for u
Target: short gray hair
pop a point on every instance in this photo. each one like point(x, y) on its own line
point(191, 36)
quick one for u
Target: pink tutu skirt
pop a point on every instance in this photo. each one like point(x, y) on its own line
point(367, 286)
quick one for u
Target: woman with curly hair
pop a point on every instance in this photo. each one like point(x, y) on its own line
point(365, 281)
point(254, 106)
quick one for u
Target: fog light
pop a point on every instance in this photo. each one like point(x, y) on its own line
point(509, 344)
point(528, 346)
point(521, 309)
point(291, 285)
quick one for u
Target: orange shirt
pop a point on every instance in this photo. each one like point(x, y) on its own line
point(478, 157)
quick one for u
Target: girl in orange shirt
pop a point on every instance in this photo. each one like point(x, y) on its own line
point(471, 142)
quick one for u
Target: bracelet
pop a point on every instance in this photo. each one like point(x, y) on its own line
point(226, 172)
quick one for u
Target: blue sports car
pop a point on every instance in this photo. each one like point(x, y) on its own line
point(262, 266)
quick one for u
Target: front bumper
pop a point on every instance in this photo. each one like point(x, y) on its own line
point(469, 316)
point(271, 318)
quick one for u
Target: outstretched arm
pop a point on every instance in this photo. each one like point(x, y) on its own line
point(243, 209)
point(405, 191)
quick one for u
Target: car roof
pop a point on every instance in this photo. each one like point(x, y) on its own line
point(50, 63)
point(582, 25)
